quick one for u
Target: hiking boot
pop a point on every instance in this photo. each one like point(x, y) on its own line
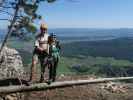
point(49, 82)
point(42, 78)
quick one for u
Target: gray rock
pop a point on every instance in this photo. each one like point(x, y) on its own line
point(10, 64)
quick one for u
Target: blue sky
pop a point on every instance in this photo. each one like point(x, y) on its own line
point(65, 13)
point(87, 14)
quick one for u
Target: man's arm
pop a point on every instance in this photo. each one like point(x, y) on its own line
point(37, 46)
point(58, 44)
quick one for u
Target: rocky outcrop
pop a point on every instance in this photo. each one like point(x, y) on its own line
point(10, 63)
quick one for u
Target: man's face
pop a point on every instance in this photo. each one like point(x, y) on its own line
point(43, 30)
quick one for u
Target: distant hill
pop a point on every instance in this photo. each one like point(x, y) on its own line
point(80, 32)
point(121, 48)
point(87, 34)
point(90, 34)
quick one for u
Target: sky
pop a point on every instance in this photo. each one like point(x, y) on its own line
point(87, 14)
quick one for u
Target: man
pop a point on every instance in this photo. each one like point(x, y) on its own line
point(54, 49)
point(41, 51)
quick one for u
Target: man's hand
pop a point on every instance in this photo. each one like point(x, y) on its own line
point(40, 49)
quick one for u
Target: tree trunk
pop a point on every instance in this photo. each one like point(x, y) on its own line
point(44, 86)
point(9, 30)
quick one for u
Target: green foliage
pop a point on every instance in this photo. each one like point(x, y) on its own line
point(25, 15)
point(30, 9)
point(31, 28)
point(118, 48)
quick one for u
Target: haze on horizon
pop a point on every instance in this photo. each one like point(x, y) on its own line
point(86, 14)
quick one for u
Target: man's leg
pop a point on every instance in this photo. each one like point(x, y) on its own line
point(33, 76)
point(43, 64)
point(51, 71)
point(54, 70)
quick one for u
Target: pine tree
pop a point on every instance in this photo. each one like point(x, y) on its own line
point(21, 21)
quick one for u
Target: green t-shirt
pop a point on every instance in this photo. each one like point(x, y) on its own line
point(54, 51)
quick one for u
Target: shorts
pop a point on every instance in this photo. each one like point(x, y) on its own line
point(39, 56)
